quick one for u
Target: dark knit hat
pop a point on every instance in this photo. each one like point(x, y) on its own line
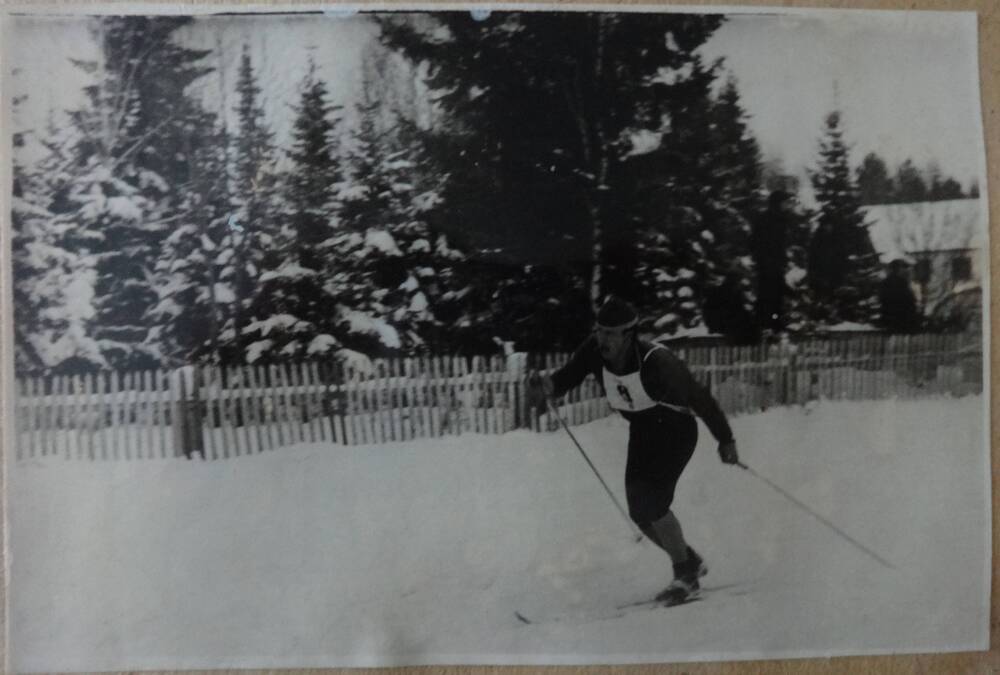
point(617, 314)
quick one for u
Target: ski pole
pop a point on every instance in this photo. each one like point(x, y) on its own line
point(818, 517)
point(562, 422)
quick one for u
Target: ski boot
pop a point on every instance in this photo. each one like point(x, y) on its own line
point(685, 586)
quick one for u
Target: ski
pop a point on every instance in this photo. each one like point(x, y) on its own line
point(619, 611)
point(602, 614)
point(652, 604)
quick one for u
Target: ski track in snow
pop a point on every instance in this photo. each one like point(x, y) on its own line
point(422, 552)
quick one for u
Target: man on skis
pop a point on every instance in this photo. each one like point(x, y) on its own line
point(654, 390)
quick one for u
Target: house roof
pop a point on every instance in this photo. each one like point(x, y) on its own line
point(899, 230)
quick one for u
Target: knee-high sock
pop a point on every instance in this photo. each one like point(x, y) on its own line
point(647, 529)
point(670, 537)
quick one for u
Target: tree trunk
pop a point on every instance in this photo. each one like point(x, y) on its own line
point(596, 153)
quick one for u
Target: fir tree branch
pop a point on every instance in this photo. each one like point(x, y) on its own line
point(141, 140)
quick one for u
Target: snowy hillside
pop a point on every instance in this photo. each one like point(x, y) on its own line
point(423, 552)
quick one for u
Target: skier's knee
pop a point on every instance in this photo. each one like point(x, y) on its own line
point(665, 516)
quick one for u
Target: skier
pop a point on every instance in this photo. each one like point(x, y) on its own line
point(654, 390)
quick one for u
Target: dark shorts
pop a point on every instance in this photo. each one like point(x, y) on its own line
point(659, 447)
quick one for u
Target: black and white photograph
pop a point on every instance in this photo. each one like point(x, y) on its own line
point(576, 334)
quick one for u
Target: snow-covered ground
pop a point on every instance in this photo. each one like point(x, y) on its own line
point(423, 551)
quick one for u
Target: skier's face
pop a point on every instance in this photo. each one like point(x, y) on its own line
point(613, 343)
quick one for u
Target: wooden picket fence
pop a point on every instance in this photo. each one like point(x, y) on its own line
point(221, 412)
point(846, 367)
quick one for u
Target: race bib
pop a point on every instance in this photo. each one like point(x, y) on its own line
point(625, 392)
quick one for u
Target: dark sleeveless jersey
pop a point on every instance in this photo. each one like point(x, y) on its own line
point(654, 380)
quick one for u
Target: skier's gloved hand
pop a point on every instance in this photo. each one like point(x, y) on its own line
point(727, 452)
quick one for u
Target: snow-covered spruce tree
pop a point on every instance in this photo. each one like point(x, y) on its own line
point(25, 216)
point(700, 191)
point(736, 152)
point(52, 281)
point(193, 299)
point(293, 315)
point(798, 294)
point(119, 199)
point(254, 245)
point(464, 291)
point(541, 143)
point(26, 212)
point(496, 298)
point(875, 185)
point(910, 184)
point(843, 269)
point(389, 270)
